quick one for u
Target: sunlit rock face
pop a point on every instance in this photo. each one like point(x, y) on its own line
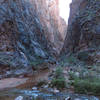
point(84, 26)
point(54, 26)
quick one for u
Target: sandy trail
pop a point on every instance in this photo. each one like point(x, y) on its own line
point(26, 82)
point(11, 82)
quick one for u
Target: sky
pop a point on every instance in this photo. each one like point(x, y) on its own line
point(64, 6)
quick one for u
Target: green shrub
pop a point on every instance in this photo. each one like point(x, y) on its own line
point(58, 83)
point(71, 59)
point(72, 75)
point(87, 86)
point(59, 72)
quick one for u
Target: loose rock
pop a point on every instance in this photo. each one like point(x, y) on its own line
point(19, 98)
point(56, 91)
point(68, 98)
point(34, 88)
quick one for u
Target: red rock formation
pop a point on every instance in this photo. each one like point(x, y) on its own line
point(54, 27)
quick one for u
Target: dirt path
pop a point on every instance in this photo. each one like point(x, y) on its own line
point(27, 82)
point(11, 82)
point(33, 80)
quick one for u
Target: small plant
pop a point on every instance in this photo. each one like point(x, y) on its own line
point(58, 72)
point(58, 81)
point(72, 76)
point(71, 60)
point(87, 86)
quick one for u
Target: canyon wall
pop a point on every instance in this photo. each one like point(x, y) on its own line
point(54, 26)
point(83, 34)
point(84, 25)
point(29, 31)
point(21, 36)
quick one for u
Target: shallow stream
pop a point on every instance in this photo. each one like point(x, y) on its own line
point(37, 95)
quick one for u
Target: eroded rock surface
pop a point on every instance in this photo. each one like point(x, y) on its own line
point(29, 31)
point(54, 26)
point(83, 29)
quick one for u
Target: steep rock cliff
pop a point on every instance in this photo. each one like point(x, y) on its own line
point(84, 25)
point(53, 25)
point(22, 39)
point(30, 33)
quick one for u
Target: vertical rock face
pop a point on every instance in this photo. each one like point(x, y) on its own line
point(74, 8)
point(53, 25)
point(21, 35)
point(84, 25)
point(29, 30)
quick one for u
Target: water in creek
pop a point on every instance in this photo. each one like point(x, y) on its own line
point(37, 95)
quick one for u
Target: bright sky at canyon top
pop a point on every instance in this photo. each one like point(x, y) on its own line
point(64, 6)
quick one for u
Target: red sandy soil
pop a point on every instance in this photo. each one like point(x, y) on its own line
point(25, 82)
point(11, 82)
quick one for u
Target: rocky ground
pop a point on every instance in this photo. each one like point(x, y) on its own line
point(68, 76)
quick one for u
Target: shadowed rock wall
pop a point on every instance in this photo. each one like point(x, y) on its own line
point(30, 33)
point(21, 35)
point(84, 24)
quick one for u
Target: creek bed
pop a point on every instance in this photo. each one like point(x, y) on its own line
point(37, 95)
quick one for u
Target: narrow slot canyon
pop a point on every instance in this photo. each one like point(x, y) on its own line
point(33, 31)
point(49, 50)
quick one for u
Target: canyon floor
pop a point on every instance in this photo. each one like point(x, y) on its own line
point(24, 82)
point(11, 88)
